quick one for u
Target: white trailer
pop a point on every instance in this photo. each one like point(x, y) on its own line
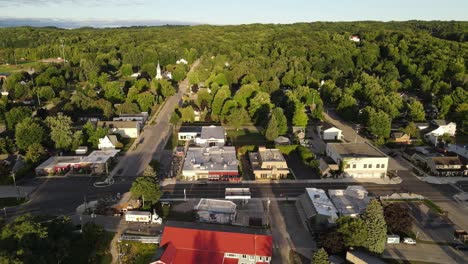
point(142, 217)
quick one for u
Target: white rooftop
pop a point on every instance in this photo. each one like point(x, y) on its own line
point(352, 201)
point(100, 156)
point(211, 159)
point(218, 206)
point(321, 203)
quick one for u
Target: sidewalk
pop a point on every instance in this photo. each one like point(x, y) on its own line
point(442, 180)
point(8, 191)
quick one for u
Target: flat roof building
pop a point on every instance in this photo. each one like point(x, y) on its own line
point(358, 160)
point(211, 136)
point(268, 164)
point(316, 209)
point(350, 202)
point(212, 163)
point(215, 211)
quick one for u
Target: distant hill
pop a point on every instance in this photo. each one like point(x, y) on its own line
point(65, 23)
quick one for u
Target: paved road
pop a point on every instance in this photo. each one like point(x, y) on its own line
point(216, 190)
point(427, 253)
point(153, 138)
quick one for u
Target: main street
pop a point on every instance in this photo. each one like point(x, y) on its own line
point(153, 138)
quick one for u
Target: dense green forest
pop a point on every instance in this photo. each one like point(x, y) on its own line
point(399, 71)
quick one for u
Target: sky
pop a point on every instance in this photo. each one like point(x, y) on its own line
point(224, 12)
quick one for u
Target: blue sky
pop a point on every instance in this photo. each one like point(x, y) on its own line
point(237, 11)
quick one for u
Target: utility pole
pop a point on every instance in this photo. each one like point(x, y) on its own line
point(14, 184)
point(185, 195)
point(143, 197)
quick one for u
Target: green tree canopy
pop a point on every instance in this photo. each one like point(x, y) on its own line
point(27, 133)
point(271, 132)
point(60, 131)
point(320, 257)
point(146, 188)
point(376, 227)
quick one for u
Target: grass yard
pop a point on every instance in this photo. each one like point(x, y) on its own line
point(433, 206)
point(244, 137)
point(173, 141)
point(22, 66)
point(136, 252)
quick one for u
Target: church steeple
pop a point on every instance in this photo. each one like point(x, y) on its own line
point(158, 72)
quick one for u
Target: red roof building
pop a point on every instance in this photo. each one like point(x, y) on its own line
point(185, 245)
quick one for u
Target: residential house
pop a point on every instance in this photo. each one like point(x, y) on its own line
point(211, 136)
point(189, 133)
point(192, 245)
point(358, 160)
point(183, 61)
point(459, 149)
point(350, 202)
point(81, 150)
point(212, 163)
point(4, 93)
point(268, 164)
point(141, 118)
point(299, 133)
point(446, 166)
point(4, 76)
point(327, 167)
point(329, 132)
point(108, 142)
point(401, 138)
point(126, 129)
point(355, 38)
point(215, 211)
point(316, 210)
point(439, 128)
point(282, 141)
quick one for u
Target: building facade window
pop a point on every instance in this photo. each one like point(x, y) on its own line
point(377, 166)
point(365, 166)
point(382, 166)
point(354, 166)
point(348, 166)
point(370, 166)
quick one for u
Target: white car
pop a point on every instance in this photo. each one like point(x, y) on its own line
point(409, 241)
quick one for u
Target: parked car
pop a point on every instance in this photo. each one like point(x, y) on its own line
point(461, 247)
point(409, 241)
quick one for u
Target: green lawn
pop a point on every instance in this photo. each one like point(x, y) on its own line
point(22, 66)
point(136, 252)
point(172, 142)
point(244, 137)
point(433, 206)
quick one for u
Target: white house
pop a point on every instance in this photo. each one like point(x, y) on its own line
point(187, 133)
point(140, 118)
point(108, 142)
point(127, 129)
point(358, 160)
point(183, 61)
point(211, 136)
point(459, 149)
point(439, 128)
point(355, 38)
point(329, 132)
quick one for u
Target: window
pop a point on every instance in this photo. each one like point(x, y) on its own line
point(244, 256)
point(252, 257)
point(370, 166)
point(382, 166)
point(377, 166)
point(354, 166)
point(230, 255)
point(348, 166)
point(365, 166)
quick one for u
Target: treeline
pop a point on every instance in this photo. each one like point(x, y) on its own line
point(399, 71)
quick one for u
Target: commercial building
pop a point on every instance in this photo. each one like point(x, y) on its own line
point(211, 136)
point(95, 162)
point(127, 129)
point(459, 149)
point(350, 202)
point(268, 164)
point(358, 160)
point(192, 245)
point(315, 209)
point(215, 211)
point(446, 166)
point(212, 163)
